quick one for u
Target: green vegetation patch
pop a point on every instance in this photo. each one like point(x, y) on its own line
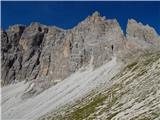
point(85, 111)
point(130, 66)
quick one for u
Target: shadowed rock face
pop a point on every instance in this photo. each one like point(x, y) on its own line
point(39, 52)
point(11, 57)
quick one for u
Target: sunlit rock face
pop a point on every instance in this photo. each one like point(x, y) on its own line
point(38, 52)
point(144, 35)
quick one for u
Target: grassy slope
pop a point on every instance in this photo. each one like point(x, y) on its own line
point(134, 95)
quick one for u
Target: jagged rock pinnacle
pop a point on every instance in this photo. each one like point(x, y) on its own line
point(96, 13)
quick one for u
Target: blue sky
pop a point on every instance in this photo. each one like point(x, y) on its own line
point(68, 14)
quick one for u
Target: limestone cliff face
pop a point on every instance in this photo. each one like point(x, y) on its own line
point(144, 35)
point(40, 52)
point(11, 54)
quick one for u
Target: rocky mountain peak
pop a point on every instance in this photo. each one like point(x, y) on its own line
point(136, 29)
point(96, 14)
point(16, 28)
point(94, 18)
point(143, 35)
point(37, 51)
point(99, 23)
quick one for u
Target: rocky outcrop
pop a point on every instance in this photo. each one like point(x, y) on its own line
point(39, 52)
point(144, 35)
point(11, 56)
